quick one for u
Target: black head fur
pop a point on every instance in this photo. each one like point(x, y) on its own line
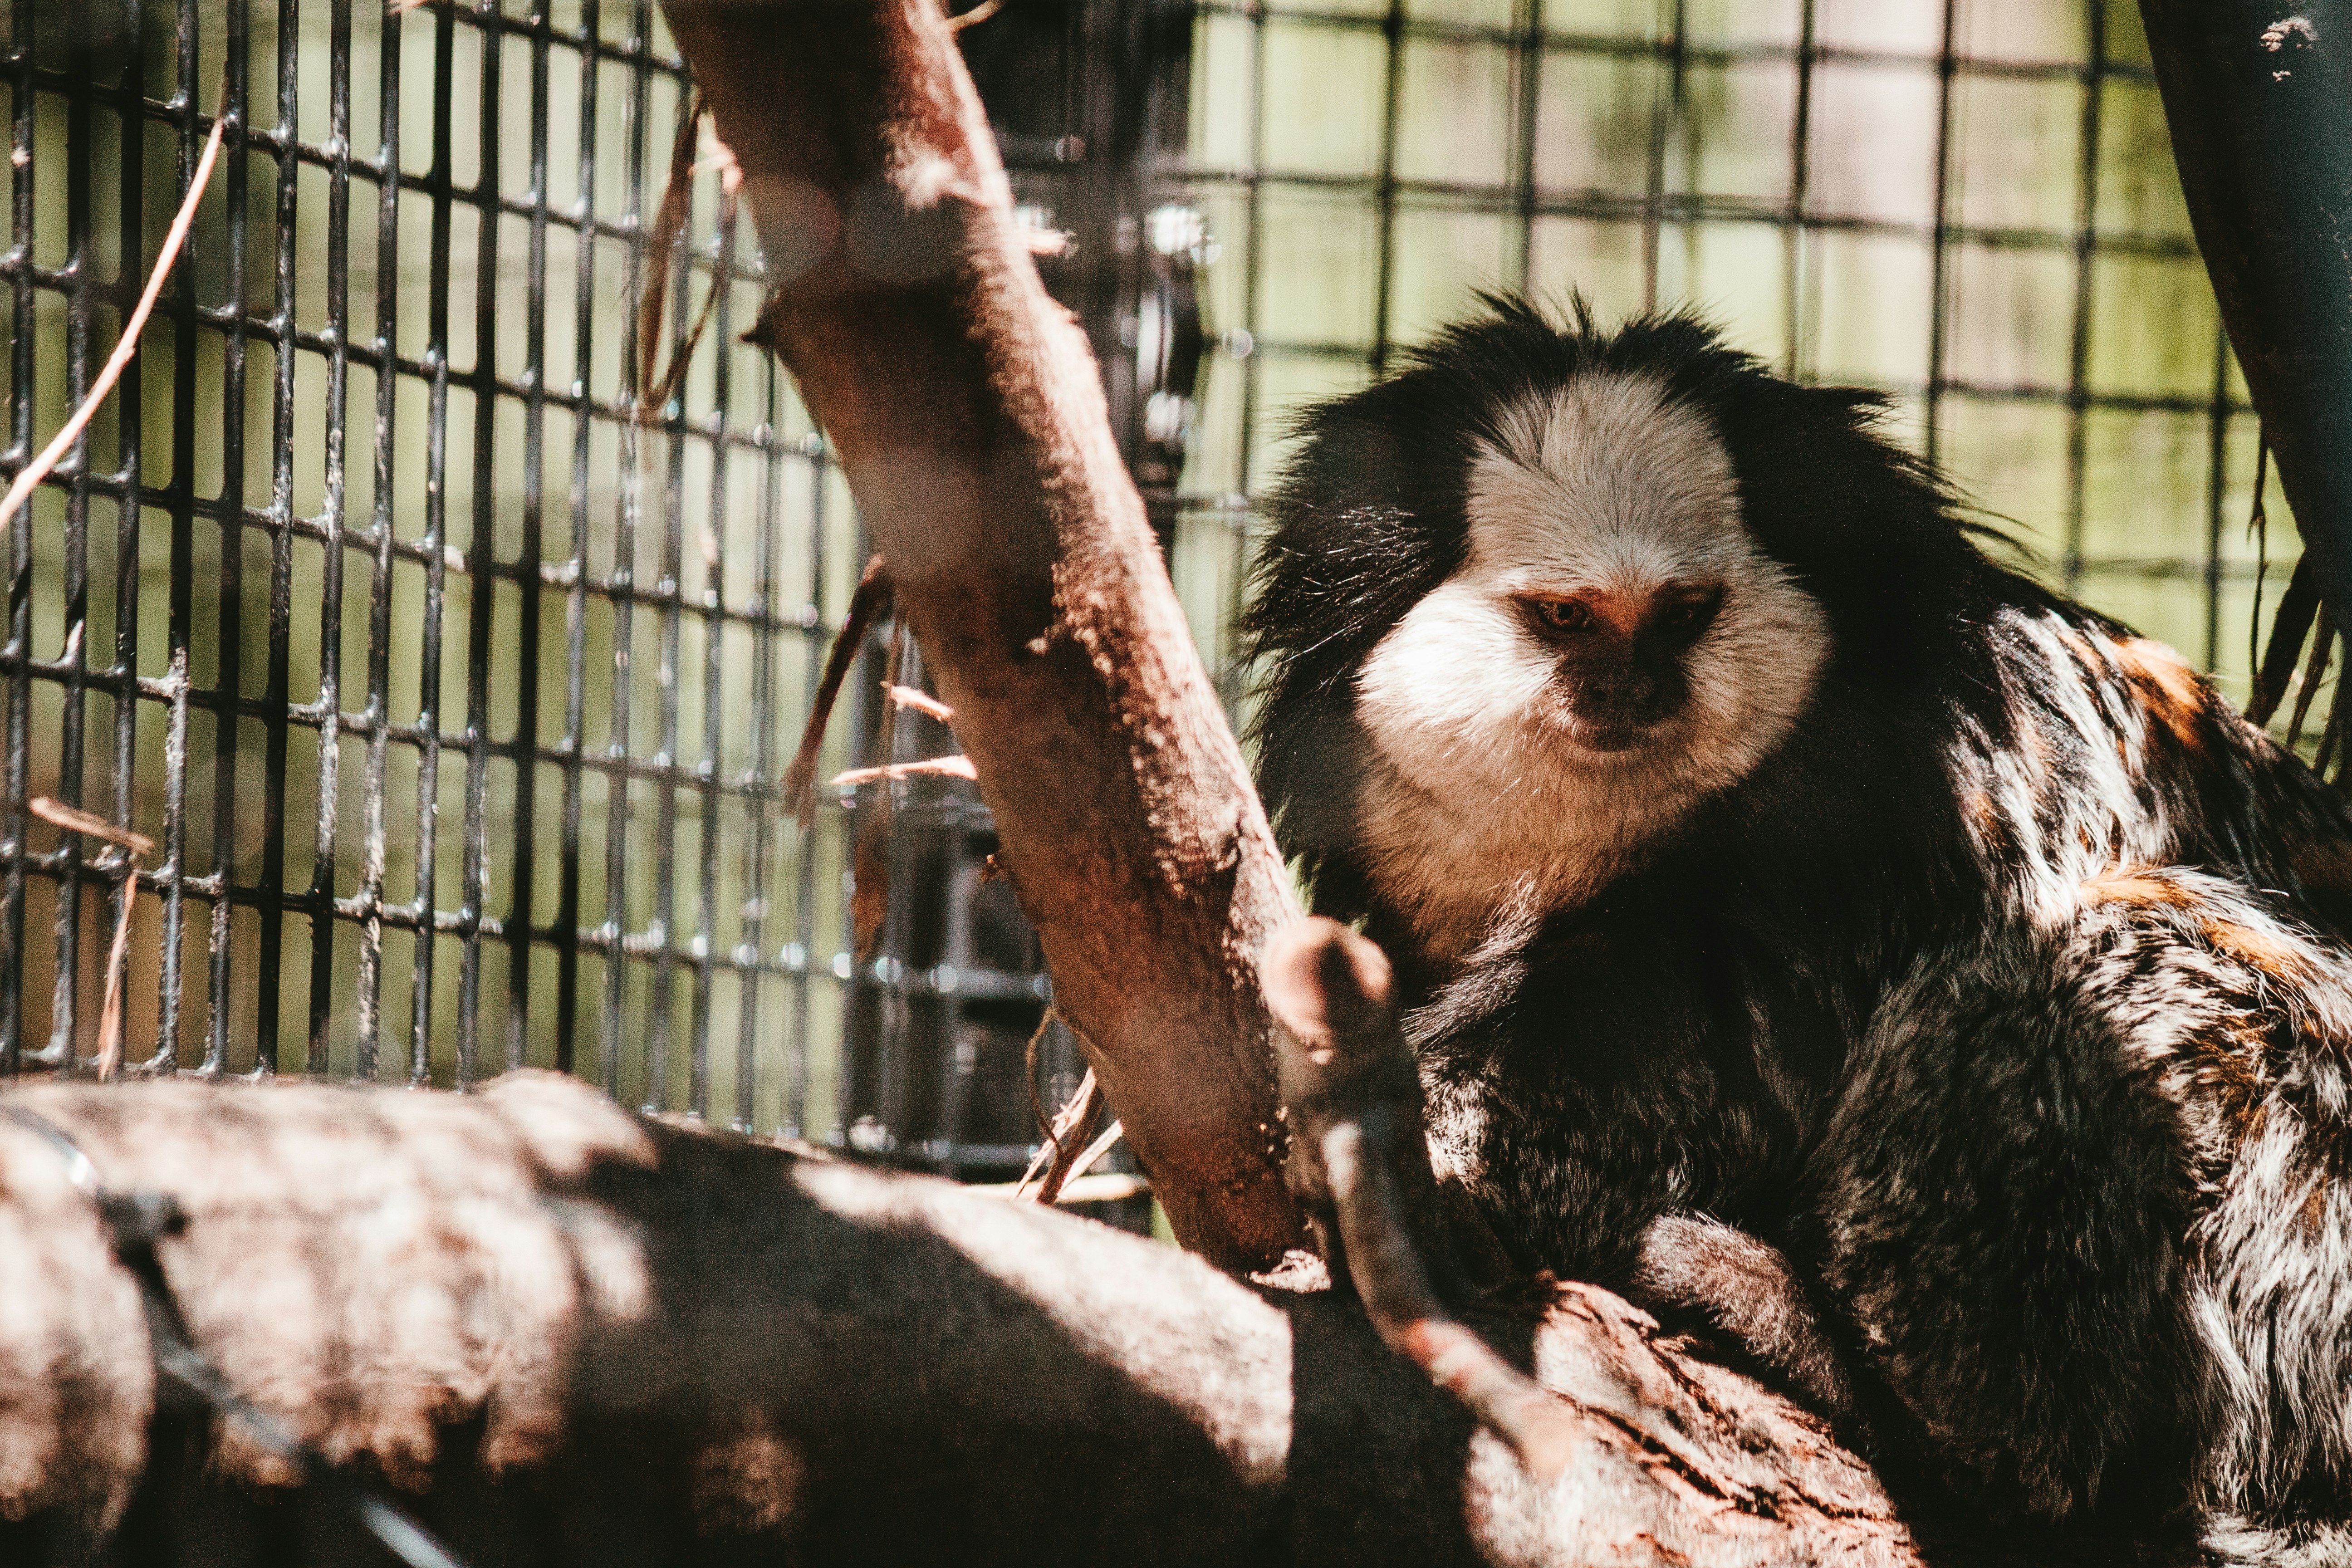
point(1370, 518)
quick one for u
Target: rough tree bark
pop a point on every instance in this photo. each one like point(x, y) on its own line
point(570, 1335)
point(969, 418)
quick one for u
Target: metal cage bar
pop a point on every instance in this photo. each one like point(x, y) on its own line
point(253, 712)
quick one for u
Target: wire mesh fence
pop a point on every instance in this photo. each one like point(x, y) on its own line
point(459, 747)
point(451, 665)
point(456, 689)
point(1968, 203)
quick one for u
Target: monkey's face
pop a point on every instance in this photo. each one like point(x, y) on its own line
point(1613, 615)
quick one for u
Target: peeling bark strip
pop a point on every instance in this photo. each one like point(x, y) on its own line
point(969, 418)
point(571, 1335)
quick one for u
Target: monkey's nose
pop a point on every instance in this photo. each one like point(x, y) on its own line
point(1629, 688)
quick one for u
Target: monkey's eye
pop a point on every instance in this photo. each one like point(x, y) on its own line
point(1563, 614)
point(1687, 616)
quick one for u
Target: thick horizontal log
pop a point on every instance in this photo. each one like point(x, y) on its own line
point(569, 1335)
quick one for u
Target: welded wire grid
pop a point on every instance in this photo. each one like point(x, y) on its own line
point(1968, 203)
point(461, 747)
point(457, 698)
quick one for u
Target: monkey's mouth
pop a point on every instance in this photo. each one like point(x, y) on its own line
point(1613, 735)
point(1610, 709)
point(1611, 740)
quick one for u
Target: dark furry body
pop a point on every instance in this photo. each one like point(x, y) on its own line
point(2008, 999)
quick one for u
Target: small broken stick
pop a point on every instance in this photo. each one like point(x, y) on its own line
point(73, 820)
point(921, 702)
point(934, 767)
point(1065, 1170)
point(1062, 1135)
point(1064, 1129)
point(1360, 1167)
point(931, 706)
point(652, 392)
point(126, 346)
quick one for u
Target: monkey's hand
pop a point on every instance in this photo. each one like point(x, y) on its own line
point(1695, 1273)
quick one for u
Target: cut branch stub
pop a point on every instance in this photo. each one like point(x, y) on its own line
point(1359, 1167)
point(971, 423)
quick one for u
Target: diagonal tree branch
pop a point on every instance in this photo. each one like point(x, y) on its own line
point(970, 419)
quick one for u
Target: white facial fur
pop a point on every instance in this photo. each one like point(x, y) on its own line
point(1481, 793)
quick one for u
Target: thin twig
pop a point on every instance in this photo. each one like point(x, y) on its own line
point(1059, 1173)
point(2290, 625)
point(1068, 1127)
point(1065, 1123)
point(869, 892)
point(128, 345)
point(118, 961)
point(2315, 671)
point(653, 392)
point(668, 225)
point(940, 767)
point(1077, 1119)
point(1098, 1150)
point(922, 703)
point(977, 15)
point(649, 407)
point(2257, 529)
point(73, 820)
point(870, 603)
point(1050, 1124)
